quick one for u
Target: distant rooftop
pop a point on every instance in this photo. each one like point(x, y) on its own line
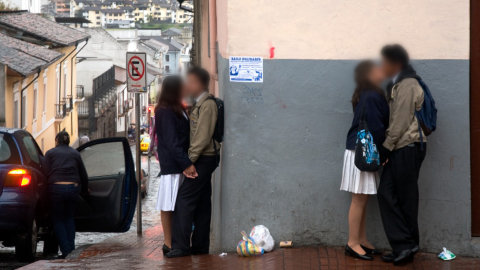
point(113, 11)
point(71, 20)
point(172, 32)
point(33, 25)
point(120, 75)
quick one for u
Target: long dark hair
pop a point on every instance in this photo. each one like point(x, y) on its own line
point(171, 95)
point(362, 82)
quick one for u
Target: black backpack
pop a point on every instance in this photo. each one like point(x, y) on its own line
point(218, 133)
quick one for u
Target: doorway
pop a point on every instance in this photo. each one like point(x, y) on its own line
point(475, 113)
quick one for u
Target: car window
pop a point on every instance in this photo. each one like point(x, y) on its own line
point(146, 140)
point(104, 159)
point(31, 149)
point(8, 150)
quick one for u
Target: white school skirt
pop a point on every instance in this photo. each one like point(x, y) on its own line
point(168, 190)
point(354, 180)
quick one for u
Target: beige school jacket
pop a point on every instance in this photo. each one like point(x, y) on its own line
point(203, 117)
point(405, 98)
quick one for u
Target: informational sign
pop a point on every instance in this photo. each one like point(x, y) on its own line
point(246, 69)
point(136, 72)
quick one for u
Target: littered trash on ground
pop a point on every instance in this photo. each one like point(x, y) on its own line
point(286, 244)
point(223, 254)
point(446, 255)
point(247, 247)
point(262, 237)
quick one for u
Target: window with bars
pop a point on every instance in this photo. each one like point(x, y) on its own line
point(35, 100)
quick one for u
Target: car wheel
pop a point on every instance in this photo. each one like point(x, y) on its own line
point(26, 243)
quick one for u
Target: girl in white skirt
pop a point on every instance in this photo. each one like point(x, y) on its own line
point(173, 139)
point(367, 95)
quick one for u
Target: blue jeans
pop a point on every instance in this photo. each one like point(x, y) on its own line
point(63, 201)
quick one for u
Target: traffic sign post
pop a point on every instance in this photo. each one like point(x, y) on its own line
point(137, 83)
point(136, 72)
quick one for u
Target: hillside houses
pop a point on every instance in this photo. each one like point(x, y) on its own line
point(109, 12)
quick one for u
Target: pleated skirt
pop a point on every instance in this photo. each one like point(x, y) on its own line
point(354, 180)
point(168, 190)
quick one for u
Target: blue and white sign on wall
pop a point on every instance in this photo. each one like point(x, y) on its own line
point(246, 69)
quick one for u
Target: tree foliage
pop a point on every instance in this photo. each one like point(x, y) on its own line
point(7, 7)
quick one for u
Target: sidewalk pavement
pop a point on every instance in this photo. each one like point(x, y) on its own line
point(126, 251)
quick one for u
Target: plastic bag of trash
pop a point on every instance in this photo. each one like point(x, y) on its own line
point(261, 235)
point(446, 255)
point(247, 247)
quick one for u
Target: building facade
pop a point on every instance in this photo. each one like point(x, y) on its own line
point(282, 156)
point(39, 86)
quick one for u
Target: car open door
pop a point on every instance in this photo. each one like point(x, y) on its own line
point(113, 189)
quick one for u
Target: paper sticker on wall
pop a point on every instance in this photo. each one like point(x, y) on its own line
point(246, 69)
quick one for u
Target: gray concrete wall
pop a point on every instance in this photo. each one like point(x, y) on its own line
point(282, 156)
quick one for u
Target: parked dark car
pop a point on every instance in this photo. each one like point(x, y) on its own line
point(24, 215)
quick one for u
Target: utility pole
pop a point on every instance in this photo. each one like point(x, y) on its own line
point(138, 164)
point(137, 83)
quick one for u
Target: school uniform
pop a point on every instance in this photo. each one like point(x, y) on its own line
point(172, 147)
point(398, 193)
point(376, 110)
point(194, 205)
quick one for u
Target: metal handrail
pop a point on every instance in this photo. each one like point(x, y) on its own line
point(60, 110)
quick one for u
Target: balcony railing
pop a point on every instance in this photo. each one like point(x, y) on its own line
point(60, 110)
point(80, 92)
point(68, 103)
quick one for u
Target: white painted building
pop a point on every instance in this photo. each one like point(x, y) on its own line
point(33, 6)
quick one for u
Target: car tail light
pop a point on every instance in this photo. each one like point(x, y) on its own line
point(18, 178)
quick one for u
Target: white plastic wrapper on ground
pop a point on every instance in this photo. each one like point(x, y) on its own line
point(261, 235)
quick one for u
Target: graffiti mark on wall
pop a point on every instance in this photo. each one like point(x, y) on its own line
point(252, 95)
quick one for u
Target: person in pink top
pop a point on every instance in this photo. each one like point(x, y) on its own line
point(153, 140)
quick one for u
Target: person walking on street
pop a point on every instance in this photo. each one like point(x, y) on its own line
point(173, 131)
point(84, 139)
point(194, 205)
point(398, 194)
point(369, 103)
point(152, 148)
point(67, 178)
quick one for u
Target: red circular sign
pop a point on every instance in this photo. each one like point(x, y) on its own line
point(128, 68)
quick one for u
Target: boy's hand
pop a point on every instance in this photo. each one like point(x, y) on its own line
point(190, 172)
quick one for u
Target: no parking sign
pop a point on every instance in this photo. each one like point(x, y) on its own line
point(136, 72)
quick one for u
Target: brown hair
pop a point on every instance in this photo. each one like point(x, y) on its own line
point(171, 95)
point(362, 83)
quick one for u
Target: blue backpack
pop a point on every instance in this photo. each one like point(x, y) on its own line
point(427, 115)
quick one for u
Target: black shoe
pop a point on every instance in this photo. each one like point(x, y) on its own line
point(404, 257)
point(352, 253)
point(177, 253)
point(389, 257)
point(415, 250)
point(371, 251)
point(166, 249)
